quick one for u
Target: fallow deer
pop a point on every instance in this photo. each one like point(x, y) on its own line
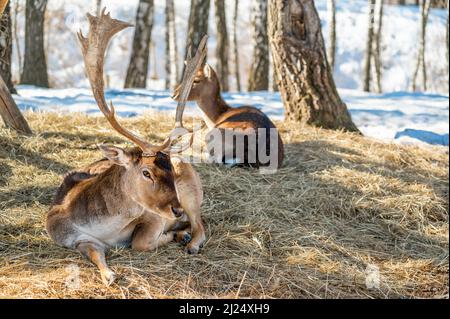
point(139, 197)
point(246, 120)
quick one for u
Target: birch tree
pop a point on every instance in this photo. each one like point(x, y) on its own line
point(332, 32)
point(420, 63)
point(9, 111)
point(222, 49)
point(172, 66)
point(139, 61)
point(6, 48)
point(304, 77)
point(98, 7)
point(369, 47)
point(35, 64)
point(259, 72)
point(198, 23)
point(377, 45)
point(235, 47)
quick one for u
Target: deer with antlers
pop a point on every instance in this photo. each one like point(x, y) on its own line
point(242, 136)
point(145, 196)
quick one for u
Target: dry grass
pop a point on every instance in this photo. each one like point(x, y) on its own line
point(341, 202)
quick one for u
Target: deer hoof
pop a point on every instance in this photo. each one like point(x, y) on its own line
point(192, 250)
point(108, 277)
point(183, 238)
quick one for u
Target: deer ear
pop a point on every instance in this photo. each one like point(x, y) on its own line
point(207, 71)
point(116, 155)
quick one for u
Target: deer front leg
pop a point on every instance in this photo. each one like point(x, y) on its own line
point(190, 194)
point(198, 234)
point(96, 254)
point(150, 235)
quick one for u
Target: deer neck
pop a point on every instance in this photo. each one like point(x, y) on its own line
point(212, 108)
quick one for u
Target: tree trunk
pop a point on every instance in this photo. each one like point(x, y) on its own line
point(16, 36)
point(332, 33)
point(198, 24)
point(35, 63)
point(377, 50)
point(259, 72)
point(447, 36)
point(139, 61)
point(172, 66)
point(235, 47)
point(304, 76)
point(6, 48)
point(369, 47)
point(99, 7)
point(9, 111)
point(222, 48)
point(420, 65)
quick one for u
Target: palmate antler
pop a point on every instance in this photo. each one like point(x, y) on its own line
point(101, 30)
point(193, 65)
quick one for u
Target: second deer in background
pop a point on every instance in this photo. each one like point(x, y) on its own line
point(247, 121)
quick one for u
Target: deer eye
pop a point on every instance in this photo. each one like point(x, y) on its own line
point(196, 81)
point(147, 174)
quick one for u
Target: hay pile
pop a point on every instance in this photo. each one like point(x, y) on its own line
point(342, 206)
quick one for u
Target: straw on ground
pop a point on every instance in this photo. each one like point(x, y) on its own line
point(342, 204)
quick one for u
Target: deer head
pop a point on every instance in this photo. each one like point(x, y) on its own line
point(205, 85)
point(148, 175)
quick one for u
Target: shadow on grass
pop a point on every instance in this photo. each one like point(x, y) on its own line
point(5, 173)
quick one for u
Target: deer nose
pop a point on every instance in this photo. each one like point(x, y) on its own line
point(178, 212)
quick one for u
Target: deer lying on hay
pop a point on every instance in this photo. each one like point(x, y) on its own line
point(140, 196)
point(247, 121)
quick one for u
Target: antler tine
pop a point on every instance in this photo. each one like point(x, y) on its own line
point(192, 67)
point(101, 30)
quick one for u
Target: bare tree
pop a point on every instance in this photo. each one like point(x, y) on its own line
point(172, 66)
point(16, 35)
point(420, 64)
point(377, 50)
point(447, 36)
point(9, 111)
point(304, 76)
point(259, 72)
point(35, 63)
point(222, 49)
point(332, 32)
point(99, 7)
point(6, 48)
point(139, 62)
point(235, 47)
point(198, 23)
point(369, 47)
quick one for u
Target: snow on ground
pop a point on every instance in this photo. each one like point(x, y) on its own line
point(399, 42)
point(401, 117)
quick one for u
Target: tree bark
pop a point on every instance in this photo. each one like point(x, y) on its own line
point(377, 50)
point(447, 36)
point(420, 64)
point(198, 24)
point(6, 48)
point(332, 33)
point(222, 49)
point(139, 61)
point(304, 76)
point(9, 111)
point(16, 36)
point(369, 47)
point(259, 72)
point(99, 7)
point(172, 66)
point(35, 63)
point(235, 47)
